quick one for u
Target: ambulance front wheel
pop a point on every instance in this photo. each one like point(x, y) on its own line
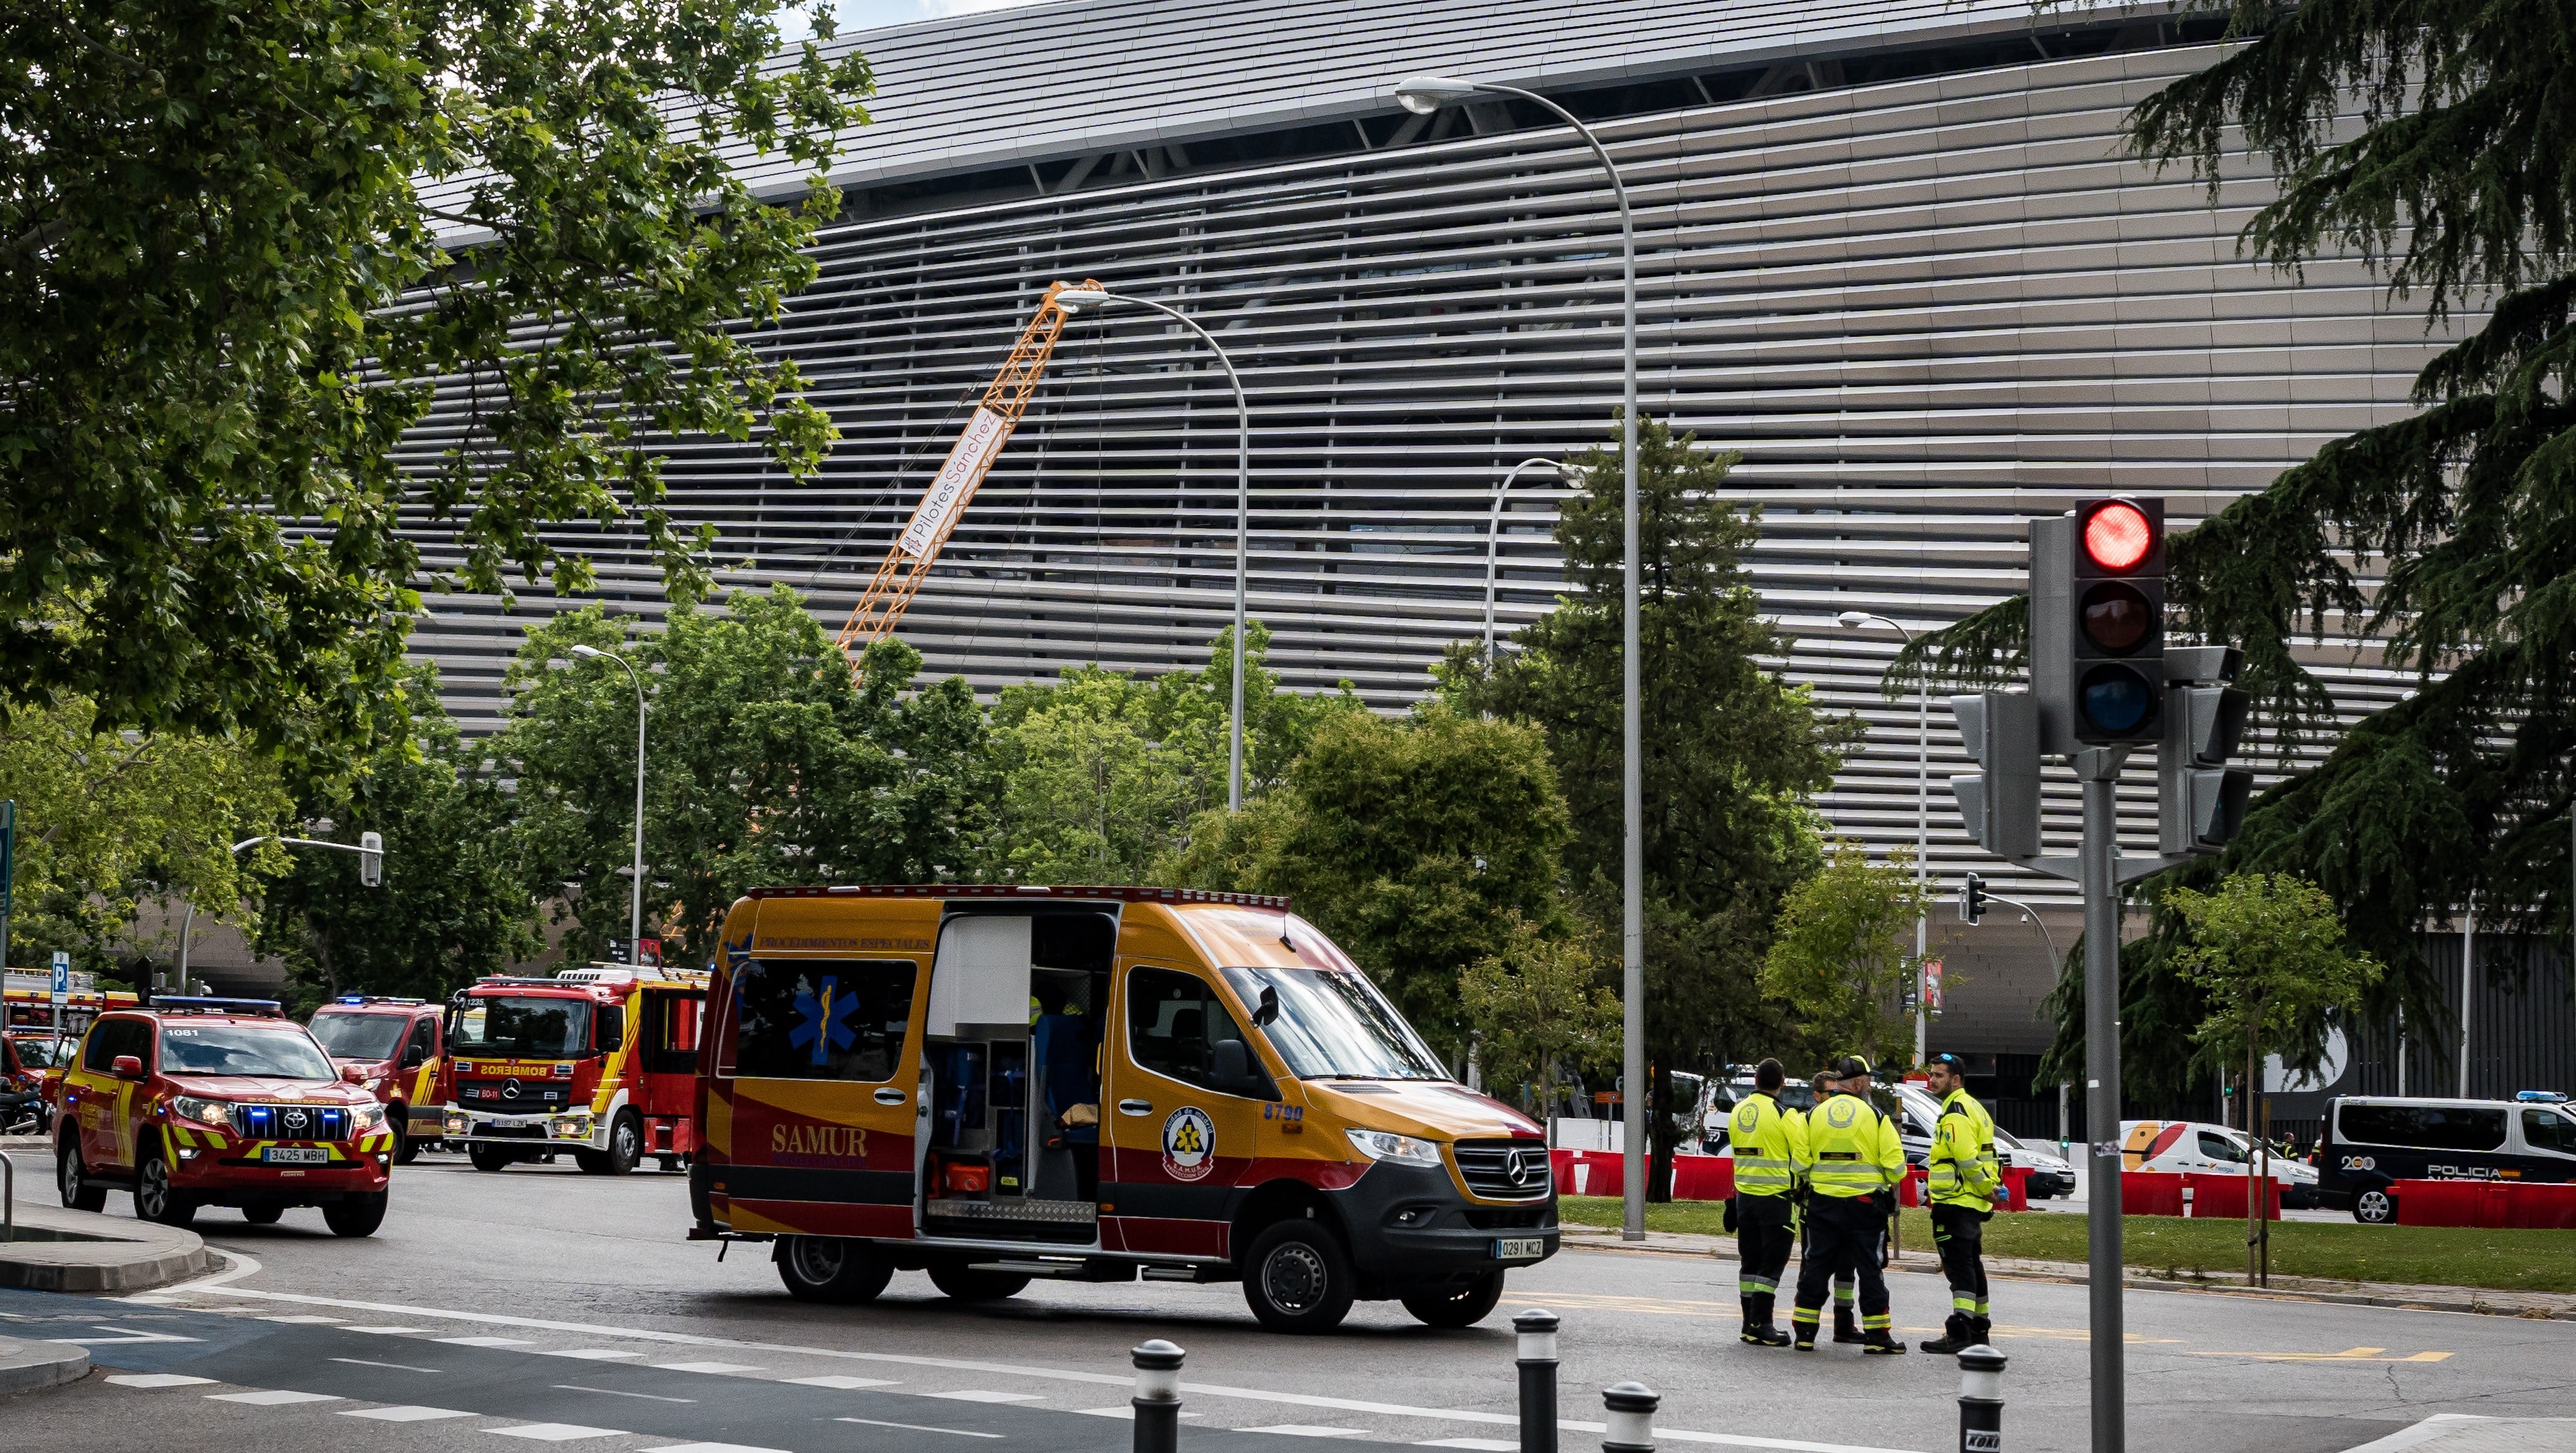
point(1457, 1306)
point(830, 1269)
point(1298, 1278)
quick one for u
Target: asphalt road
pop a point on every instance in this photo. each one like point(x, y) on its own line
point(545, 1305)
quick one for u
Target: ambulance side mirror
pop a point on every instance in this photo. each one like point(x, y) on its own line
point(1233, 1073)
point(1268, 1009)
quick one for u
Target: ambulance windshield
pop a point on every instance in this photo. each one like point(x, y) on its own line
point(1334, 1024)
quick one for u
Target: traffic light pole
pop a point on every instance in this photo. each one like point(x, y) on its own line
point(2099, 770)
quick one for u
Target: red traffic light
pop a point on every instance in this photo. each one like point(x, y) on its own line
point(2118, 536)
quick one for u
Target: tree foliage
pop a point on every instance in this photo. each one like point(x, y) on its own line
point(2268, 953)
point(243, 243)
point(1539, 1009)
point(1840, 961)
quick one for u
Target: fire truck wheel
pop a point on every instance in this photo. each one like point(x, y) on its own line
point(406, 1149)
point(80, 1193)
point(1297, 1278)
point(488, 1157)
point(154, 1200)
point(358, 1215)
point(830, 1269)
point(264, 1214)
point(955, 1279)
point(1457, 1306)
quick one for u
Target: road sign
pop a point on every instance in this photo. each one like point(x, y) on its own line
point(62, 977)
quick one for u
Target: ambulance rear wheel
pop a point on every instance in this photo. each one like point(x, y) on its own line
point(832, 1270)
point(1298, 1279)
point(956, 1280)
point(1457, 1306)
point(488, 1157)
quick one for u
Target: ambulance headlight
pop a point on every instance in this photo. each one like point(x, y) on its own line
point(1382, 1145)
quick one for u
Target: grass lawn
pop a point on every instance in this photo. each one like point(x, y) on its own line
point(2523, 1261)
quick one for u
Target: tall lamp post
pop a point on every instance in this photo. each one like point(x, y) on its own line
point(1071, 299)
point(635, 900)
point(1494, 531)
point(1852, 620)
point(1423, 95)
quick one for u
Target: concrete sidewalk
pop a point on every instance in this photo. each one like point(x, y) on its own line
point(56, 1250)
point(2553, 1306)
point(30, 1366)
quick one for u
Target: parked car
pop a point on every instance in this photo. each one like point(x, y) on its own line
point(2197, 1147)
point(2372, 1142)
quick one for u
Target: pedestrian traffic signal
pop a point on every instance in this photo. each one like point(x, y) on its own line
point(2200, 800)
point(2000, 801)
point(2097, 623)
point(1972, 899)
point(371, 860)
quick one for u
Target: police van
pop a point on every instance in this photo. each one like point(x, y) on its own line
point(995, 1084)
point(2371, 1142)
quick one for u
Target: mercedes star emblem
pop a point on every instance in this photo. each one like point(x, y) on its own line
point(509, 1089)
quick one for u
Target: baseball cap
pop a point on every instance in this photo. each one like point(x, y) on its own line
point(1850, 1065)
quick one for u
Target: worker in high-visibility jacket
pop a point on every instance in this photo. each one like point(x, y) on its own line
point(1854, 1160)
point(1965, 1181)
point(1846, 1282)
point(1768, 1143)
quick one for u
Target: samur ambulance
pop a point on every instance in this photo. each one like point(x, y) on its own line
point(992, 1084)
point(598, 1063)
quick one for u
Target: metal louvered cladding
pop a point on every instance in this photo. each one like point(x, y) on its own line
point(1924, 310)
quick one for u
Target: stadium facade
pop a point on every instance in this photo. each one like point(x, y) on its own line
point(1892, 252)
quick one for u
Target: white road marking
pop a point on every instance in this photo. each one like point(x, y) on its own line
point(588, 1354)
point(271, 1397)
point(387, 1331)
point(484, 1341)
point(159, 1379)
point(556, 1432)
point(405, 1413)
point(1050, 1374)
point(120, 1336)
point(712, 1448)
point(307, 1321)
point(1305, 1430)
point(706, 1367)
point(1489, 1445)
point(1129, 1414)
point(979, 1395)
point(651, 1397)
point(840, 1382)
point(918, 1428)
point(396, 1366)
point(241, 1266)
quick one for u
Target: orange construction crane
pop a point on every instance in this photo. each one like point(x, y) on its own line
point(909, 558)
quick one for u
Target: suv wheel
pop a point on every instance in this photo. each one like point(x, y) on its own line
point(80, 1193)
point(831, 1269)
point(1457, 1306)
point(1297, 1278)
point(2376, 1207)
point(359, 1214)
point(263, 1213)
point(154, 1200)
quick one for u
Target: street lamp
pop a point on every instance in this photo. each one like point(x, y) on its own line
point(1565, 474)
point(1423, 95)
point(635, 900)
point(1853, 620)
point(370, 848)
point(1072, 300)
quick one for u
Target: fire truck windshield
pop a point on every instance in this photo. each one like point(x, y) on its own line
point(515, 1025)
point(360, 1036)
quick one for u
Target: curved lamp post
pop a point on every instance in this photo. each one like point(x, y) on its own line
point(1494, 531)
point(1853, 620)
point(635, 900)
point(1423, 95)
point(369, 847)
point(1073, 299)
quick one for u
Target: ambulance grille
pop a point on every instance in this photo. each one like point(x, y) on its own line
point(1505, 1170)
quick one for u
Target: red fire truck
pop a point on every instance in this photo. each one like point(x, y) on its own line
point(600, 1062)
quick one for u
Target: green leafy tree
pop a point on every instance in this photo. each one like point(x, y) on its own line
point(1839, 960)
point(2426, 137)
point(1730, 750)
point(769, 762)
point(1420, 846)
point(244, 243)
point(107, 820)
point(1540, 1008)
point(452, 904)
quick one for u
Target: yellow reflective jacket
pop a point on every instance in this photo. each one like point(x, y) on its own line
point(1768, 1143)
point(1962, 1170)
point(1852, 1150)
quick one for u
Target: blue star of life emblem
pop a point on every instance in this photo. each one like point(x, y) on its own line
point(826, 1020)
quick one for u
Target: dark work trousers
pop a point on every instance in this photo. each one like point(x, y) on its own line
point(1960, 1234)
point(1843, 1237)
point(1762, 1241)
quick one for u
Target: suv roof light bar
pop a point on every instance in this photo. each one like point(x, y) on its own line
point(1074, 892)
point(203, 1004)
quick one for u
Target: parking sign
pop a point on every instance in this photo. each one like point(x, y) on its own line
point(62, 976)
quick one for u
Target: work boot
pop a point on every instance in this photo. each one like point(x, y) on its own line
point(1879, 1344)
point(1767, 1335)
point(1806, 1340)
point(1846, 1327)
point(1957, 1335)
point(1983, 1331)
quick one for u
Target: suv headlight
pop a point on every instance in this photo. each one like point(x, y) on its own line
point(218, 1113)
point(1382, 1145)
point(365, 1120)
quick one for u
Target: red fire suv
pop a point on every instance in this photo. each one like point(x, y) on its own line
point(218, 1102)
point(394, 1044)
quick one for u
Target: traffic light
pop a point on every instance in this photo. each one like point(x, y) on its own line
point(1972, 899)
point(371, 859)
point(2000, 801)
point(2200, 800)
point(2097, 610)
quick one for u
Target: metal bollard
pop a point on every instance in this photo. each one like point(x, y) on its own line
point(1158, 1397)
point(1537, 1329)
point(1631, 1420)
point(1981, 1400)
